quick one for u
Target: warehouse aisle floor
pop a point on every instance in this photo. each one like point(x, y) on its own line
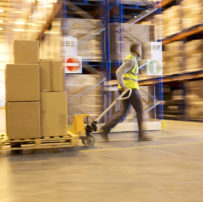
point(168, 169)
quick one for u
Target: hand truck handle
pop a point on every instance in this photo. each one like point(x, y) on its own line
point(124, 92)
point(113, 103)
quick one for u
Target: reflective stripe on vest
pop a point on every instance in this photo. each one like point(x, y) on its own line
point(132, 73)
point(130, 79)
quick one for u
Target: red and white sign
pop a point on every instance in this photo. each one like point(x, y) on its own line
point(73, 65)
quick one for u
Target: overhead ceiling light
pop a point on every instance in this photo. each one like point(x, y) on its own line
point(20, 22)
point(47, 6)
point(1, 21)
point(18, 30)
point(46, 1)
point(31, 1)
point(1, 10)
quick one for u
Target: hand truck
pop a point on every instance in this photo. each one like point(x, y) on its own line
point(89, 139)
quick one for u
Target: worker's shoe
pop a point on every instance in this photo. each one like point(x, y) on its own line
point(144, 138)
point(104, 134)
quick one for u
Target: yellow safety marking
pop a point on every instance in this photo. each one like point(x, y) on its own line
point(142, 146)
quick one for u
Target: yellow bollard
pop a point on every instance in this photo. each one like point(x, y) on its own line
point(163, 125)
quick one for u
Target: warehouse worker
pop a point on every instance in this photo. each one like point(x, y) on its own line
point(127, 77)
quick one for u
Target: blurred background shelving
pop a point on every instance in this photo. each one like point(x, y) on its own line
point(182, 41)
point(104, 30)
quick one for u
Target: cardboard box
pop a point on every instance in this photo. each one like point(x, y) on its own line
point(23, 120)
point(52, 76)
point(45, 75)
point(54, 114)
point(58, 76)
point(193, 47)
point(22, 82)
point(26, 52)
point(194, 62)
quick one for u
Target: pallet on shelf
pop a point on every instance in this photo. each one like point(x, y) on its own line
point(183, 34)
point(163, 3)
point(173, 77)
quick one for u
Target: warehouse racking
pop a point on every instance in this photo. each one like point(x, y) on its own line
point(177, 81)
point(118, 12)
point(108, 13)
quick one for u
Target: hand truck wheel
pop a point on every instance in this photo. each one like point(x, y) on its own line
point(88, 141)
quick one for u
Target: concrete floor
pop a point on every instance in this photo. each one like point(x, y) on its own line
point(168, 169)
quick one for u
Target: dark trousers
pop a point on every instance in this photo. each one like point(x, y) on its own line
point(135, 101)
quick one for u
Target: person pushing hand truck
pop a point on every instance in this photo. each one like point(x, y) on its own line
point(127, 77)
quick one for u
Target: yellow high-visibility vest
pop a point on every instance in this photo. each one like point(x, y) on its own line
point(130, 79)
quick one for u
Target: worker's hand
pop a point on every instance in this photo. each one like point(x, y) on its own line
point(123, 89)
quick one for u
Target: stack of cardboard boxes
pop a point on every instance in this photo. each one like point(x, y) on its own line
point(53, 99)
point(89, 43)
point(23, 92)
point(192, 13)
point(182, 57)
point(171, 19)
point(180, 17)
point(172, 58)
point(29, 112)
point(194, 100)
point(193, 55)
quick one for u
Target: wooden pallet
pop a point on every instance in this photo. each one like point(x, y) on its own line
point(70, 140)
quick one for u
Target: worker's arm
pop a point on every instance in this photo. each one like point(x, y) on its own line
point(124, 68)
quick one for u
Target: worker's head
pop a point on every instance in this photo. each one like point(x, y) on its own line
point(136, 49)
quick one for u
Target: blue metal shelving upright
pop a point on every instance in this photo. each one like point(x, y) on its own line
point(159, 92)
